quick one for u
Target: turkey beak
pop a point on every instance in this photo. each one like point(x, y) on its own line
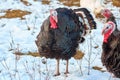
point(54, 15)
point(56, 18)
point(103, 31)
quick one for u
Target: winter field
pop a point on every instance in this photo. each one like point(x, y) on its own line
point(18, 33)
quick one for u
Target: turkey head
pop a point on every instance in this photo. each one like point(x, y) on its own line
point(106, 13)
point(107, 30)
point(53, 19)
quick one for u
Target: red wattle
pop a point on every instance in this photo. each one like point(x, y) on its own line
point(106, 36)
point(109, 32)
point(53, 23)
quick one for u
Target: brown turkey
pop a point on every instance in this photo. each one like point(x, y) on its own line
point(61, 33)
point(111, 44)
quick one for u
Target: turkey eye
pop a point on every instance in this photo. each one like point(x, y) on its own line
point(55, 13)
point(107, 27)
point(105, 10)
point(52, 15)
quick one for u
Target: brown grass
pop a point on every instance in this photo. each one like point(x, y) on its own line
point(65, 2)
point(34, 54)
point(71, 2)
point(45, 1)
point(15, 14)
point(79, 55)
point(98, 68)
point(98, 15)
point(25, 2)
point(116, 3)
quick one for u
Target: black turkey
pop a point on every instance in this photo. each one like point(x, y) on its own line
point(111, 44)
point(60, 35)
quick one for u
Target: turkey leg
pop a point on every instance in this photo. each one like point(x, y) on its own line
point(67, 61)
point(57, 68)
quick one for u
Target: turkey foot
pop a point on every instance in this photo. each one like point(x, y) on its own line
point(113, 75)
point(67, 67)
point(56, 74)
point(57, 69)
point(66, 72)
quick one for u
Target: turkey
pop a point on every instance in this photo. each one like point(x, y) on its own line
point(60, 35)
point(111, 44)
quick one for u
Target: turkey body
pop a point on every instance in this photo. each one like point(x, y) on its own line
point(61, 33)
point(111, 50)
point(60, 43)
point(111, 55)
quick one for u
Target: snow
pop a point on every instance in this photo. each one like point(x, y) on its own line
point(14, 35)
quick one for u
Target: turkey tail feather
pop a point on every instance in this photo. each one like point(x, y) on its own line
point(89, 17)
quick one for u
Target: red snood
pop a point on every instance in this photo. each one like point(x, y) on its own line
point(53, 23)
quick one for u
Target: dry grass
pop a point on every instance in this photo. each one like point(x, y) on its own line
point(98, 15)
point(65, 2)
point(45, 1)
point(35, 54)
point(25, 2)
point(15, 14)
point(71, 2)
point(79, 55)
point(98, 68)
point(116, 3)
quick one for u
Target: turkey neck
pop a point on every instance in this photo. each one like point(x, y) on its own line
point(111, 18)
